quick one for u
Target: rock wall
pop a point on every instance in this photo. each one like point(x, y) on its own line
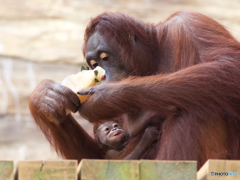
point(52, 30)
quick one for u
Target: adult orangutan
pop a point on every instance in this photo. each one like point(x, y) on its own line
point(182, 76)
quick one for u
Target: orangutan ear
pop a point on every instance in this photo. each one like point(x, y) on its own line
point(131, 37)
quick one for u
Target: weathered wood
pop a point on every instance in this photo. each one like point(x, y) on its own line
point(6, 170)
point(166, 170)
point(217, 169)
point(48, 170)
point(108, 170)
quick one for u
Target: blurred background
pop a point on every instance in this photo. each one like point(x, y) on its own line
point(42, 39)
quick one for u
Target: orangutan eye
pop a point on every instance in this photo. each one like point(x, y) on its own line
point(104, 56)
point(93, 63)
point(107, 129)
point(115, 125)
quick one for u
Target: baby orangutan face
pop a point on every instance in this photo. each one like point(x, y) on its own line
point(111, 134)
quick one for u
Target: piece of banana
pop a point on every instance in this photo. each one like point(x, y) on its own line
point(83, 80)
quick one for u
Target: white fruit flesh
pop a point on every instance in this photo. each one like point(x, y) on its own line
point(83, 80)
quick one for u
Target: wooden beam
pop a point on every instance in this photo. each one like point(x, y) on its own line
point(165, 170)
point(108, 169)
point(220, 170)
point(48, 170)
point(6, 170)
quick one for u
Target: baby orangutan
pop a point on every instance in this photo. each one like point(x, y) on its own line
point(112, 139)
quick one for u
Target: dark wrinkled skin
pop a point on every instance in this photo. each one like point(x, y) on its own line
point(115, 69)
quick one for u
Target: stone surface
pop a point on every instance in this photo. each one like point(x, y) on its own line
point(52, 31)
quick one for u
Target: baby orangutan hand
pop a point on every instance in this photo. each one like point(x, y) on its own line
point(150, 134)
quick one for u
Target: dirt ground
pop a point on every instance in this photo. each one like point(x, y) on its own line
point(20, 139)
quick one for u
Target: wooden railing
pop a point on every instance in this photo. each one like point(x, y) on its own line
point(119, 170)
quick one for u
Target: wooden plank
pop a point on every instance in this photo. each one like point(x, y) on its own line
point(6, 170)
point(217, 169)
point(48, 170)
point(166, 170)
point(108, 169)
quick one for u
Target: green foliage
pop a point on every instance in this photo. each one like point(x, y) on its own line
point(96, 80)
point(83, 68)
point(96, 72)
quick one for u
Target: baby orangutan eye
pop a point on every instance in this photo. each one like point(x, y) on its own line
point(107, 129)
point(115, 125)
